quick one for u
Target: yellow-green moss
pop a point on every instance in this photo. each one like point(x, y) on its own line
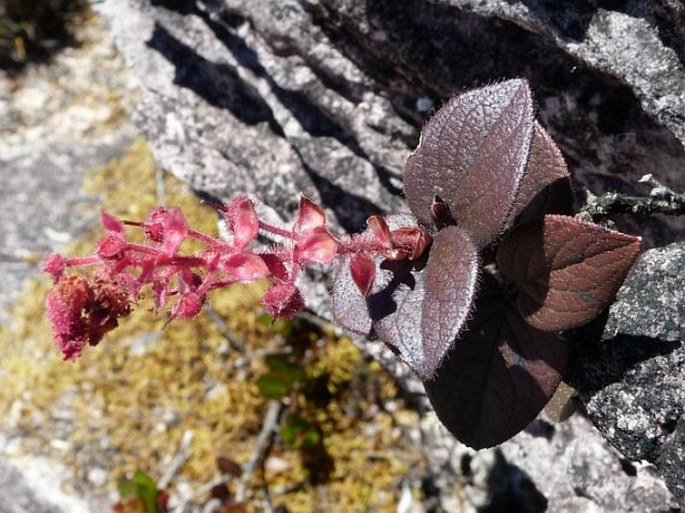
point(126, 403)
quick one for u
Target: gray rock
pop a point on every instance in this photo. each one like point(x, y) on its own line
point(633, 381)
point(17, 497)
point(587, 474)
point(58, 123)
point(41, 200)
point(35, 484)
point(567, 467)
point(326, 97)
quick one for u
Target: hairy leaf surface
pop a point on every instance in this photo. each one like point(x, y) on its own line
point(472, 155)
point(499, 374)
point(419, 314)
point(348, 304)
point(566, 270)
point(546, 184)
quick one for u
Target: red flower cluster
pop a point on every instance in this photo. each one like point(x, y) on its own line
point(82, 310)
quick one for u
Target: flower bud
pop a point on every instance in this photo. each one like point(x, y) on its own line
point(283, 300)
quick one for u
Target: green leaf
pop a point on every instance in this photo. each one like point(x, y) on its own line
point(283, 375)
point(142, 487)
point(127, 488)
point(272, 386)
point(286, 370)
point(283, 327)
point(300, 433)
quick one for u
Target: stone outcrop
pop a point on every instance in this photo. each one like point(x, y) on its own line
point(326, 97)
point(632, 381)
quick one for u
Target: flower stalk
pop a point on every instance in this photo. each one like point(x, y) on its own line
point(83, 307)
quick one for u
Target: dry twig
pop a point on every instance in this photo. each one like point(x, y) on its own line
point(264, 442)
point(661, 200)
point(178, 460)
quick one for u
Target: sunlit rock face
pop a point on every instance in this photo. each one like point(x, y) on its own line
point(328, 97)
point(632, 382)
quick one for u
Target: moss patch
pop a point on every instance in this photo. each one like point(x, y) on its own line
point(126, 404)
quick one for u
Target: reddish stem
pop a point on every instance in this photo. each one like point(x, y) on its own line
point(87, 260)
point(275, 230)
point(205, 239)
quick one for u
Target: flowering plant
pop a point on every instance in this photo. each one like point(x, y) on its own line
point(81, 311)
point(472, 289)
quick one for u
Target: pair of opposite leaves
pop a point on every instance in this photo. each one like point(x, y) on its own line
point(487, 180)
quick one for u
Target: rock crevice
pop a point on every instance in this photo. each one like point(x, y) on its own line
point(326, 97)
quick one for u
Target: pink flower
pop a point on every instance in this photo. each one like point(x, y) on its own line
point(313, 242)
point(55, 265)
point(175, 231)
point(154, 224)
point(81, 312)
point(245, 267)
point(242, 220)
point(113, 244)
point(283, 300)
point(309, 216)
point(316, 245)
point(188, 305)
point(410, 242)
point(166, 227)
point(381, 231)
point(276, 266)
point(407, 242)
point(363, 272)
point(111, 247)
point(111, 223)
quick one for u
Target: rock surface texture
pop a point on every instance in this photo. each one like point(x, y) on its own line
point(326, 97)
point(57, 122)
point(633, 381)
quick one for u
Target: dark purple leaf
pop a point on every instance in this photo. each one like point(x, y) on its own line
point(229, 466)
point(545, 185)
point(472, 155)
point(566, 270)
point(420, 314)
point(348, 305)
point(499, 374)
point(440, 214)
